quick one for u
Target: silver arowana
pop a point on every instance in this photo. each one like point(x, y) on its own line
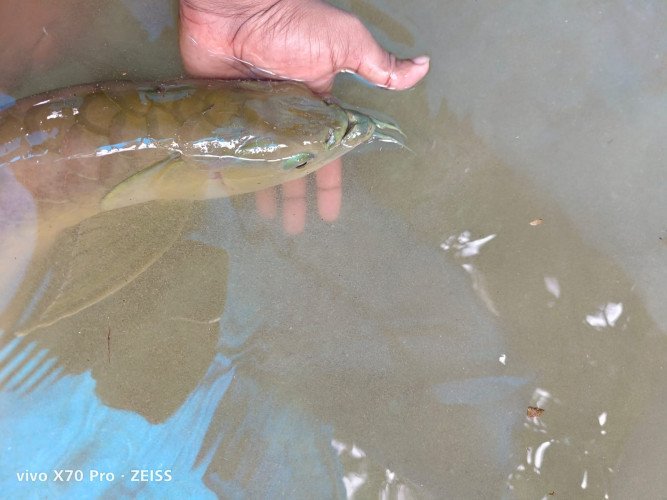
point(118, 144)
point(79, 152)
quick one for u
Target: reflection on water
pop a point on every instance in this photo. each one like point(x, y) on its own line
point(395, 352)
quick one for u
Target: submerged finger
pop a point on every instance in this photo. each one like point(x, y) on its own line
point(329, 181)
point(294, 206)
point(265, 201)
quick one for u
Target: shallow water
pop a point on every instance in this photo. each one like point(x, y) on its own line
point(394, 352)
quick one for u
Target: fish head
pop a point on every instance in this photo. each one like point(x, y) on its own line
point(288, 133)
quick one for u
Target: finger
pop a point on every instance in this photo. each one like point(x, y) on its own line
point(385, 70)
point(329, 191)
point(370, 61)
point(294, 206)
point(265, 201)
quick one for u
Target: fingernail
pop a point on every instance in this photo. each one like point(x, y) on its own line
point(421, 60)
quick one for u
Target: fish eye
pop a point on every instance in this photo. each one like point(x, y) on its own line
point(297, 161)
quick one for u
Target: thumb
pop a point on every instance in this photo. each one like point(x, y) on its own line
point(365, 57)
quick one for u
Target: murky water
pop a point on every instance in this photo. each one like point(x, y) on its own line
point(517, 258)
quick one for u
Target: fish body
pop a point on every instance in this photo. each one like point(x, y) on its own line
point(70, 157)
point(109, 145)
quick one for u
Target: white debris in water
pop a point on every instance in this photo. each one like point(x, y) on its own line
point(480, 288)
point(464, 246)
point(584, 481)
point(602, 418)
point(338, 446)
point(606, 316)
point(353, 482)
point(539, 454)
point(357, 452)
point(502, 358)
point(552, 285)
point(391, 476)
point(542, 397)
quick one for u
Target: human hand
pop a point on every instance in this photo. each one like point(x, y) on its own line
point(27, 38)
point(304, 40)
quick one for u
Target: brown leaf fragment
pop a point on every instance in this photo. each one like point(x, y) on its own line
point(534, 412)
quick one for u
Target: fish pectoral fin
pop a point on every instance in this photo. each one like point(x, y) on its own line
point(145, 185)
point(92, 261)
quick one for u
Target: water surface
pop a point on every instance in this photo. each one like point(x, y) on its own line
point(516, 259)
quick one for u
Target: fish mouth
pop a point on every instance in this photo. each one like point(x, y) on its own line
point(367, 128)
point(388, 132)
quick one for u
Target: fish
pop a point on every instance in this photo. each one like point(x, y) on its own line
point(85, 157)
point(109, 145)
